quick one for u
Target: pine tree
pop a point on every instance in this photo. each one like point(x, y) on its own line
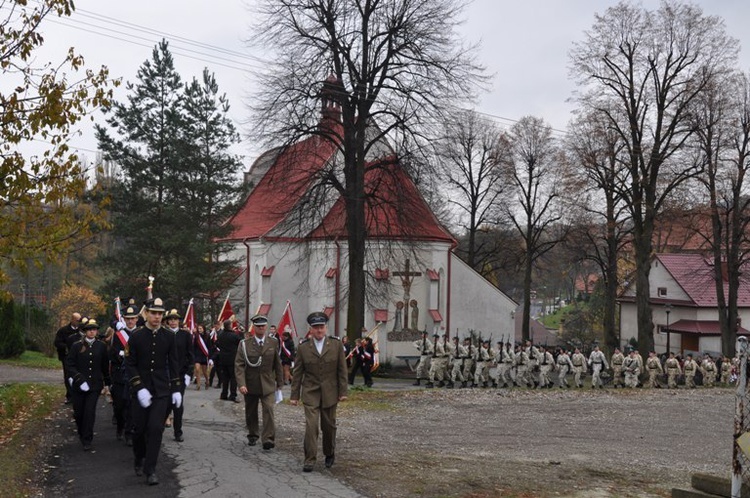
point(177, 181)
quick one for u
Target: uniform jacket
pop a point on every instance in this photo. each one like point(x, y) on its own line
point(117, 361)
point(185, 359)
point(227, 343)
point(61, 340)
point(320, 379)
point(152, 363)
point(88, 364)
point(265, 378)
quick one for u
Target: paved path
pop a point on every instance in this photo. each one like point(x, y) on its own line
point(214, 460)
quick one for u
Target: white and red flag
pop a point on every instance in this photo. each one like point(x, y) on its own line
point(121, 333)
point(227, 313)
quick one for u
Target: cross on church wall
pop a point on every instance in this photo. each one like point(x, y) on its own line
point(407, 277)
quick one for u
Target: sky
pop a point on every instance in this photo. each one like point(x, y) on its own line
point(523, 44)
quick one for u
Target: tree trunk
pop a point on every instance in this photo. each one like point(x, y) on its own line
point(526, 326)
point(642, 243)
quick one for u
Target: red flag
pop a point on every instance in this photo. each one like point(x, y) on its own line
point(286, 324)
point(226, 313)
point(189, 321)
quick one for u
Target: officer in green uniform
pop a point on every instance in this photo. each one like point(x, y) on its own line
point(319, 380)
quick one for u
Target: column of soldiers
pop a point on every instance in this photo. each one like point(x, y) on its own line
point(475, 364)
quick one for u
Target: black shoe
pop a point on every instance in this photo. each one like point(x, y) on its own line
point(308, 467)
point(329, 461)
point(416, 383)
point(252, 441)
point(153, 480)
point(441, 384)
point(119, 436)
point(223, 398)
point(234, 399)
point(179, 438)
point(139, 467)
point(429, 384)
point(268, 445)
point(86, 446)
point(68, 401)
point(128, 441)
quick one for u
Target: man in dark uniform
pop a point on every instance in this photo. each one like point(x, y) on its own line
point(320, 381)
point(120, 381)
point(155, 381)
point(259, 375)
point(227, 342)
point(184, 344)
point(88, 366)
point(61, 344)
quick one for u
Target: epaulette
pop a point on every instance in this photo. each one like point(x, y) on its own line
point(302, 341)
point(334, 337)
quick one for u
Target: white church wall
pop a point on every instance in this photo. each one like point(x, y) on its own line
point(476, 304)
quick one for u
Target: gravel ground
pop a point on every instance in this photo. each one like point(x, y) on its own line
point(489, 442)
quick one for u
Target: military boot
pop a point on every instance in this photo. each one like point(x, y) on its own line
point(429, 384)
point(416, 383)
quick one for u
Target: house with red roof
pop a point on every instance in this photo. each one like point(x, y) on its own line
point(291, 236)
point(684, 304)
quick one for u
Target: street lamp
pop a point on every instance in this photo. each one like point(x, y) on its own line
point(667, 310)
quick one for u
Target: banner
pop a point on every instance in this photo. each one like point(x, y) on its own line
point(373, 334)
point(227, 313)
point(189, 321)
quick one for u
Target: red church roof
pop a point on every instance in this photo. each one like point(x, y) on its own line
point(395, 208)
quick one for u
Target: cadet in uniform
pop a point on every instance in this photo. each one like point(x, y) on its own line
point(319, 380)
point(483, 359)
point(632, 368)
point(424, 346)
point(523, 375)
point(597, 361)
point(617, 360)
point(579, 366)
point(708, 368)
point(726, 370)
point(155, 379)
point(61, 344)
point(653, 365)
point(87, 365)
point(120, 389)
point(184, 344)
point(227, 342)
point(436, 366)
point(259, 375)
point(690, 368)
point(564, 365)
point(457, 354)
point(673, 370)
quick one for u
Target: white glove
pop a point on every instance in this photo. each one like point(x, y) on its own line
point(122, 353)
point(70, 381)
point(85, 387)
point(210, 363)
point(120, 326)
point(176, 399)
point(144, 397)
point(187, 380)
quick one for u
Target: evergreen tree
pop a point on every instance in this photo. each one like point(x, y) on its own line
point(172, 152)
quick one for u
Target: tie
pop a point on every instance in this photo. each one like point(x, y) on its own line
point(261, 343)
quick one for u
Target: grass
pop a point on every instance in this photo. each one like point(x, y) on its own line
point(33, 359)
point(24, 409)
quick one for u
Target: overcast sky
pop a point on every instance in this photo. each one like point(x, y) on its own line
point(524, 45)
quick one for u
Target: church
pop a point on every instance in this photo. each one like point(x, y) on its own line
point(289, 236)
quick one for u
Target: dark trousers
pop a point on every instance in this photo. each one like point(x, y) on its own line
point(84, 412)
point(356, 365)
point(148, 428)
point(177, 412)
point(121, 407)
point(227, 380)
point(214, 373)
point(366, 367)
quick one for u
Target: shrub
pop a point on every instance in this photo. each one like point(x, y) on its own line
point(11, 332)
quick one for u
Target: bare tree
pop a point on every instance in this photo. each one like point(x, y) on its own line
point(393, 66)
point(467, 153)
point(642, 70)
point(535, 176)
point(722, 139)
point(595, 156)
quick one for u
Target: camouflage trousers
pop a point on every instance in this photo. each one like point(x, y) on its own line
point(504, 374)
point(479, 377)
point(631, 377)
point(577, 372)
point(438, 367)
point(653, 373)
point(422, 370)
point(689, 379)
point(672, 378)
point(617, 377)
point(544, 375)
point(709, 378)
point(456, 374)
point(562, 374)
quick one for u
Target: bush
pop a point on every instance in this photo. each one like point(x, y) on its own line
point(11, 333)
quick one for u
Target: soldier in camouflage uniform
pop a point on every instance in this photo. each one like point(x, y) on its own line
point(690, 368)
point(597, 362)
point(471, 355)
point(653, 365)
point(546, 366)
point(564, 365)
point(726, 370)
point(579, 366)
point(617, 360)
point(483, 360)
point(505, 358)
point(438, 350)
point(457, 355)
point(523, 377)
point(708, 368)
point(673, 370)
point(534, 357)
point(632, 369)
point(424, 346)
